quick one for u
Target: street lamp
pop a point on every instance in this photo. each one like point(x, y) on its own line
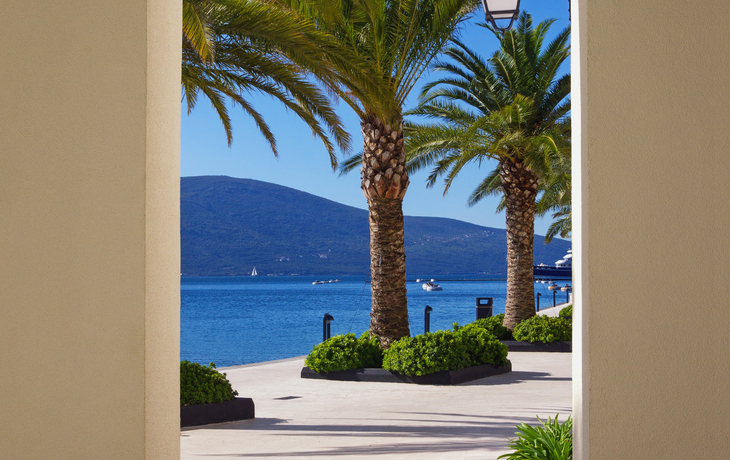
point(495, 10)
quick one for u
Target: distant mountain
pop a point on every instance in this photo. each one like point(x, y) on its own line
point(229, 226)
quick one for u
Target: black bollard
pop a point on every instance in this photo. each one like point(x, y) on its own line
point(326, 326)
point(538, 301)
point(427, 319)
point(567, 294)
point(554, 299)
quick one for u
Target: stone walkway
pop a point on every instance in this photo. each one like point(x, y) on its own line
point(318, 419)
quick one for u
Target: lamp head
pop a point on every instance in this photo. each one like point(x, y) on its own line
point(501, 10)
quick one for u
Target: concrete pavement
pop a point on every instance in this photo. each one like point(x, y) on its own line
point(303, 418)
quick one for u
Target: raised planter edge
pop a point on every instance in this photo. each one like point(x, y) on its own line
point(437, 378)
point(206, 414)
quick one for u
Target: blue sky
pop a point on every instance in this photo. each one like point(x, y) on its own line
point(303, 163)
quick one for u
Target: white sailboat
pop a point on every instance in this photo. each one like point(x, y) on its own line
point(253, 273)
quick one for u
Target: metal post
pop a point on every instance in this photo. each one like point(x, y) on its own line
point(427, 319)
point(554, 299)
point(326, 326)
point(538, 301)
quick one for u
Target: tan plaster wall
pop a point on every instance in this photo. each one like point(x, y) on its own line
point(652, 97)
point(89, 229)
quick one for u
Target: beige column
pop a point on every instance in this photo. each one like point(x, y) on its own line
point(652, 232)
point(89, 229)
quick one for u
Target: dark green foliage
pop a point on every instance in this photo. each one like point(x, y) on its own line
point(567, 311)
point(427, 353)
point(493, 325)
point(483, 347)
point(203, 385)
point(542, 328)
point(228, 226)
point(444, 351)
point(552, 441)
point(371, 355)
point(344, 352)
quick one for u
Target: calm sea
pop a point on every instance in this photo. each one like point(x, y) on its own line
point(242, 320)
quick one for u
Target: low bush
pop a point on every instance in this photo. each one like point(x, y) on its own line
point(552, 441)
point(427, 353)
point(203, 385)
point(344, 352)
point(444, 351)
point(566, 311)
point(542, 328)
point(483, 347)
point(493, 325)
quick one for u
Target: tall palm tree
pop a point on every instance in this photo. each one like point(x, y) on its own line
point(397, 39)
point(234, 47)
point(512, 109)
point(554, 187)
point(556, 194)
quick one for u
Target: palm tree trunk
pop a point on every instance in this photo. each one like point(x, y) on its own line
point(520, 191)
point(384, 183)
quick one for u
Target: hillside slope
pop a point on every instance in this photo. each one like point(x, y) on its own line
point(229, 226)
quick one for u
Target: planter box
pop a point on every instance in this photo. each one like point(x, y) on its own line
point(205, 414)
point(557, 347)
point(437, 378)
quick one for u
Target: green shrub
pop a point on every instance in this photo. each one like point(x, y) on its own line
point(542, 328)
point(444, 351)
point(344, 352)
point(493, 325)
point(426, 353)
point(371, 355)
point(483, 347)
point(203, 385)
point(567, 311)
point(552, 441)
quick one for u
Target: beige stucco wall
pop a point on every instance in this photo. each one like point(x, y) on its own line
point(89, 229)
point(652, 109)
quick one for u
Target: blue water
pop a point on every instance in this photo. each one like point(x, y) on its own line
point(242, 320)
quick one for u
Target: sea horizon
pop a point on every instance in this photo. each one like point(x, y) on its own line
point(249, 319)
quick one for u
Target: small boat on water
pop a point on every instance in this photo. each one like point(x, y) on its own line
point(319, 282)
point(430, 286)
point(254, 273)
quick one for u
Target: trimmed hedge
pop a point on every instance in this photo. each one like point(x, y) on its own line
point(444, 351)
point(542, 328)
point(344, 352)
point(203, 385)
point(493, 325)
point(566, 311)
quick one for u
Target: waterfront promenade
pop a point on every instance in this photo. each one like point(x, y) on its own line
point(317, 419)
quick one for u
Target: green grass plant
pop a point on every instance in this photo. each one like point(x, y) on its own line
point(552, 441)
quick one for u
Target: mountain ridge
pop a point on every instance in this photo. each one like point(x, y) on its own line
point(230, 225)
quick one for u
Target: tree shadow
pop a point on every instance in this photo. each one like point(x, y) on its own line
point(516, 377)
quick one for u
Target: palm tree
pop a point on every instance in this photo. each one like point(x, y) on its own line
point(235, 47)
point(397, 39)
point(512, 109)
point(555, 198)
